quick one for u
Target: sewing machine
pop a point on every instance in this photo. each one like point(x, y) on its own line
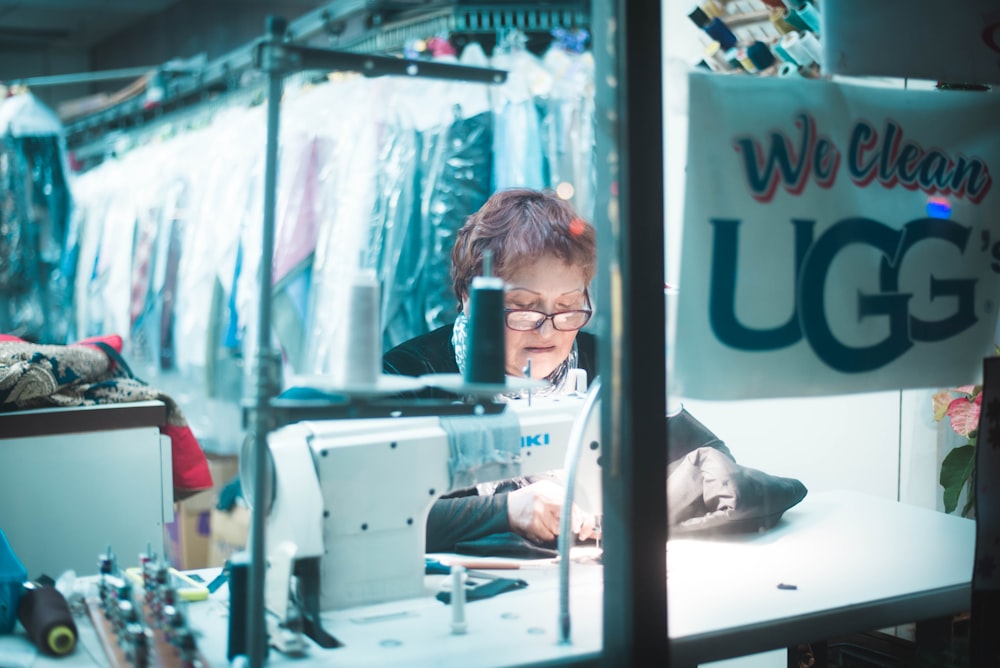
point(347, 511)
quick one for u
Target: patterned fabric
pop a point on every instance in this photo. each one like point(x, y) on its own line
point(80, 374)
point(557, 379)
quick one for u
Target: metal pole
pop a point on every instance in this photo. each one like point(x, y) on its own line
point(85, 77)
point(266, 375)
point(631, 336)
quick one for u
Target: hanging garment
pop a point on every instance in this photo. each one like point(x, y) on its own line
point(455, 178)
point(392, 248)
point(444, 165)
point(35, 292)
point(347, 205)
point(567, 121)
point(297, 228)
point(517, 143)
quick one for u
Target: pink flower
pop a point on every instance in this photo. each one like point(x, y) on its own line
point(962, 410)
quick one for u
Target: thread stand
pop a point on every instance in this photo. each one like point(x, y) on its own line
point(148, 630)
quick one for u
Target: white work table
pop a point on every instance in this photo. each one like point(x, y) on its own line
point(857, 563)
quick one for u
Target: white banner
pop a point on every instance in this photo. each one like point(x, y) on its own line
point(837, 238)
point(954, 41)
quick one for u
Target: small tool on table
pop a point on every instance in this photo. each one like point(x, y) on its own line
point(491, 585)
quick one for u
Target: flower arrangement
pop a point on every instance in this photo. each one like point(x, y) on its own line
point(961, 405)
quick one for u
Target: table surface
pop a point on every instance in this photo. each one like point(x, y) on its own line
point(857, 562)
point(849, 562)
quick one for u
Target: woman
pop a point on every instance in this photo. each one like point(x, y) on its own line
point(547, 257)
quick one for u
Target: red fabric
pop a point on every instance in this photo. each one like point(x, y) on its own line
point(191, 472)
point(113, 340)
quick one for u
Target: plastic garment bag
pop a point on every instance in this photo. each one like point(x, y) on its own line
point(517, 144)
point(346, 112)
point(35, 279)
point(305, 149)
point(442, 137)
point(567, 123)
point(225, 204)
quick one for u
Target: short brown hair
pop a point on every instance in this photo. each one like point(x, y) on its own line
point(518, 226)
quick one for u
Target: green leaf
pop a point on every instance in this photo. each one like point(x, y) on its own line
point(955, 471)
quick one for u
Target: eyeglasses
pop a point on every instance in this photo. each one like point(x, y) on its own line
point(525, 320)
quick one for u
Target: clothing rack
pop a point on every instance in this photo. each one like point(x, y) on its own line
point(348, 26)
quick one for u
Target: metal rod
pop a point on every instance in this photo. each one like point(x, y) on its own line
point(84, 77)
point(571, 464)
point(311, 58)
point(256, 617)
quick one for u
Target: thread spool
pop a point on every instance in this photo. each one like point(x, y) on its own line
point(720, 32)
point(793, 45)
point(485, 361)
point(783, 53)
point(364, 350)
point(789, 70)
point(745, 62)
point(777, 16)
point(356, 344)
point(732, 57)
point(760, 55)
point(714, 58)
point(809, 15)
point(812, 46)
point(793, 19)
point(239, 612)
point(699, 17)
point(713, 8)
point(46, 617)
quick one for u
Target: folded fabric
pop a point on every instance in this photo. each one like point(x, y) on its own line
point(91, 372)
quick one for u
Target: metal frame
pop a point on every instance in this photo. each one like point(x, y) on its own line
point(632, 330)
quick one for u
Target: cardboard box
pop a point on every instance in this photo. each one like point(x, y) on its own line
point(188, 536)
point(230, 530)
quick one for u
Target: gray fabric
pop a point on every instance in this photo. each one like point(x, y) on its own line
point(486, 447)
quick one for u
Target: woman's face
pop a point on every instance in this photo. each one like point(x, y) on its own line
point(548, 285)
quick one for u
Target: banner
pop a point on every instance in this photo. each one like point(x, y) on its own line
point(837, 238)
point(953, 41)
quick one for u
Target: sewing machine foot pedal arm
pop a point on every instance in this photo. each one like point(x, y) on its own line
point(307, 573)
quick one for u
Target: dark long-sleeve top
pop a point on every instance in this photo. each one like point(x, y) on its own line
point(463, 515)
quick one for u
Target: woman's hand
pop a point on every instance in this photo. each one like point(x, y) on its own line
point(533, 511)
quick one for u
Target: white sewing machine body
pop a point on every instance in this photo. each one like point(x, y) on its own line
point(355, 494)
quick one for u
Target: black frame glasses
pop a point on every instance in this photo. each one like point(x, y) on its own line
point(558, 323)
